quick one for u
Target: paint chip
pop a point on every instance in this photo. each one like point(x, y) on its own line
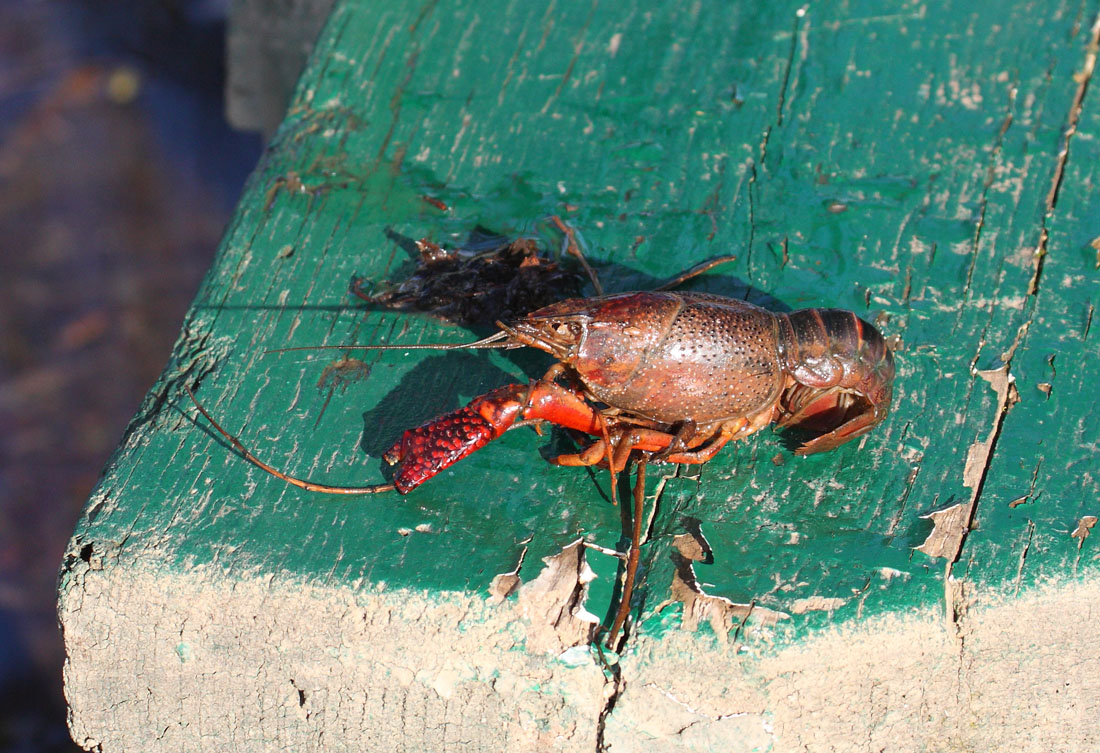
point(977, 456)
point(553, 603)
point(693, 546)
point(613, 44)
point(817, 603)
point(1084, 526)
point(698, 606)
point(505, 584)
point(950, 526)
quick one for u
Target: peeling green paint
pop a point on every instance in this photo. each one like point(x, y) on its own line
point(895, 163)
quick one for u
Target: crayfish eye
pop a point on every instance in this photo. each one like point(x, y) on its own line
point(567, 329)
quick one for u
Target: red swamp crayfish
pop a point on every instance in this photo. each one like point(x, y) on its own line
point(659, 376)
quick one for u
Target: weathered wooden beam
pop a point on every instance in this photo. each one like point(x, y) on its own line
point(933, 169)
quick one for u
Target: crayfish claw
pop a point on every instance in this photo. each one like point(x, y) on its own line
point(423, 452)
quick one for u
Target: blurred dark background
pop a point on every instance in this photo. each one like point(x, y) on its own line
point(118, 173)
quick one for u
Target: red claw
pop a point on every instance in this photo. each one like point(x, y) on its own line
point(438, 444)
point(431, 447)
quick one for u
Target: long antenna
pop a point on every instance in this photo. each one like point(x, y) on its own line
point(492, 341)
point(302, 483)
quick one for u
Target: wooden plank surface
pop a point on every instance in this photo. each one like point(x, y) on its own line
point(933, 169)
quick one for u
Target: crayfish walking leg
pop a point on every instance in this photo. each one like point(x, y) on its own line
point(632, 558)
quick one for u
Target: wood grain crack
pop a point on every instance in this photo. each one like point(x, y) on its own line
point(787, 71)
point(987, 182)
point(978, 461)
point(1083, 78)
point(613, 690)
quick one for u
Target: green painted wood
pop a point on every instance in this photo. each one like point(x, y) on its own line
point(897, 161)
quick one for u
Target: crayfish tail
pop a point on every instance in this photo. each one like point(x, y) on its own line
point(843, 376)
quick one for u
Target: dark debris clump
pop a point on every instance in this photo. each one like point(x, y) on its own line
point(490, 279)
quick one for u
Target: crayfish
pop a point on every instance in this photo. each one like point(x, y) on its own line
point(669, 376)
point(659, 377)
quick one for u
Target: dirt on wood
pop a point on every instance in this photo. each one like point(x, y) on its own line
point(309, 667)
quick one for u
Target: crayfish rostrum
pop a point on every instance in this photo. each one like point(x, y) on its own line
point(663, 377)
